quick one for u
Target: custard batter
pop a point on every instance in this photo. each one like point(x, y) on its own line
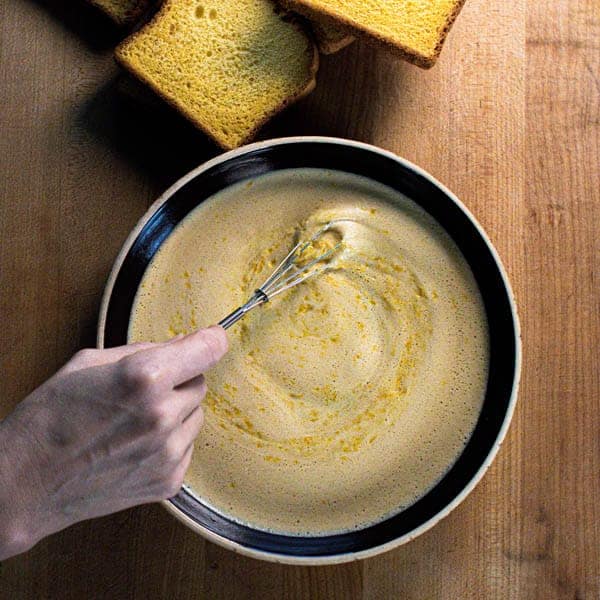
point(347, 398)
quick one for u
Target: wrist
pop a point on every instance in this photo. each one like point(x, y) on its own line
point(16, 524)
point(14, 538)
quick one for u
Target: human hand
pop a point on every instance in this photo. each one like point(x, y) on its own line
point(112, 429)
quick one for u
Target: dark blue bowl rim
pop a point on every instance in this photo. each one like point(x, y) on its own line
point(361, 159)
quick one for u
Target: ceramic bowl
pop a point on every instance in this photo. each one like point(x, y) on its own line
point(384, 167)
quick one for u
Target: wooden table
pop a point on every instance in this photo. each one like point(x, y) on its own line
point(509, 119)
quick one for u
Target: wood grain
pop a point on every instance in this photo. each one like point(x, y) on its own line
point(509, 119)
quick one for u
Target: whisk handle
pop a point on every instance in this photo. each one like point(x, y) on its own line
point(257, 299)
point(232, 318)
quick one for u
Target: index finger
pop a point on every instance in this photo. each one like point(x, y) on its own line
point(190, 356)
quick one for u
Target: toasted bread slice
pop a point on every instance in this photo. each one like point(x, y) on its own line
point(414, 29)
point(227, 66)
point(122, 11)
point(330, 39)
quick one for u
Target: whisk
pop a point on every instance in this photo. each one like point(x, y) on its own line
point(288, 274)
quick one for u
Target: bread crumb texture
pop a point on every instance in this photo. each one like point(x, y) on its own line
point(122, 11)
point(415, 27)
point(228, 66)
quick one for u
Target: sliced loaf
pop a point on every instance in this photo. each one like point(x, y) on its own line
point(415, 29)
point(226, 65)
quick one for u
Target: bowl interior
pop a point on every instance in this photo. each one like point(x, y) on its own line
point(384, 168)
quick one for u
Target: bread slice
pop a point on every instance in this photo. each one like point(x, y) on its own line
point(122, 11)
point(415, 29)
point(330, 39)
point(227, 65)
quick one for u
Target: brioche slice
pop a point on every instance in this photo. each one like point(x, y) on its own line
point(122, 11)
point(330, 39)
point(226, 65)
point(415, 29)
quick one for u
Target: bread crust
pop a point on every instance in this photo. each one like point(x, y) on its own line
point(425, 62)
point(226, 145)
point(132, 16)
point(326, 45)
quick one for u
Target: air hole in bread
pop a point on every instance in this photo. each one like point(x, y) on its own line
point(200, 11)
point(212, 14)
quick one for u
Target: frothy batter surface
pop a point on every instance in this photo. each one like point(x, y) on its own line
point(347, 398)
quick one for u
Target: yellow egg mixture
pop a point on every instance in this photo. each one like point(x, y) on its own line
point(346, 398)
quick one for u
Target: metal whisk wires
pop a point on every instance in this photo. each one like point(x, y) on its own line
point(289, 273)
